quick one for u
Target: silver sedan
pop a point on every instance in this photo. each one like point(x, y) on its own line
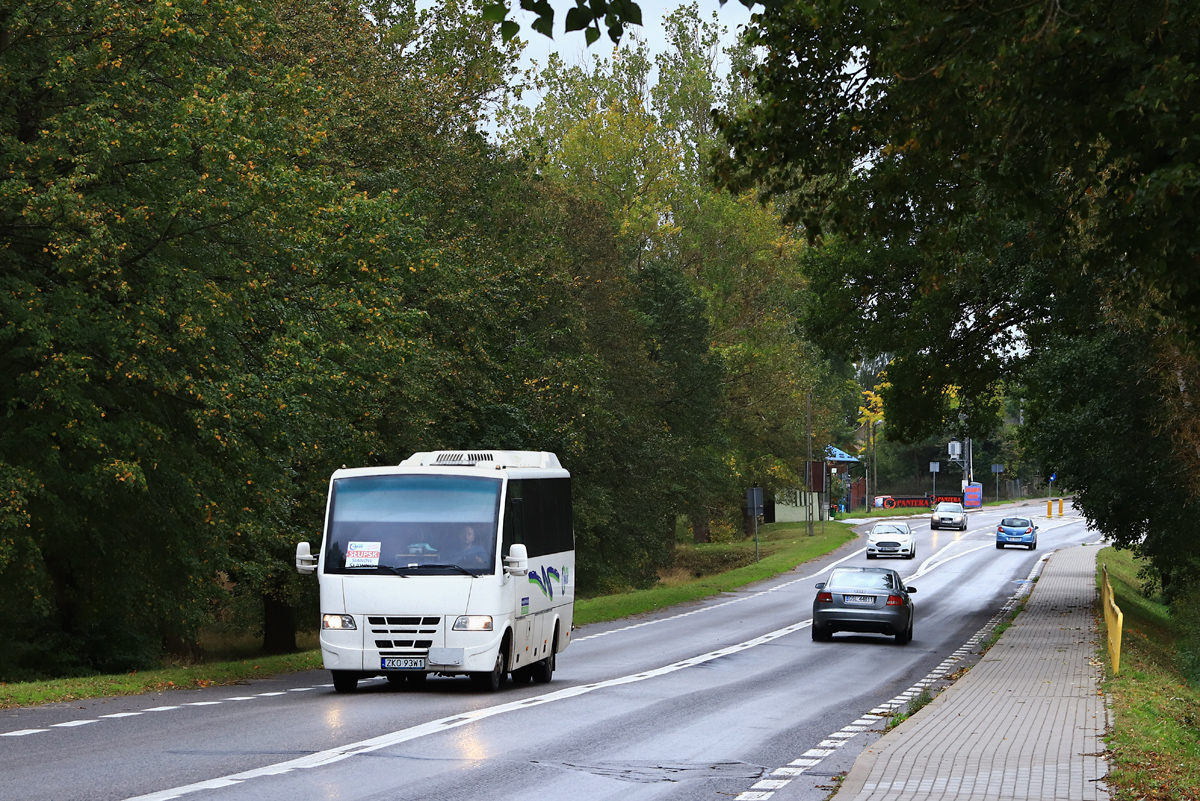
point(863, 599)
point(948, 515)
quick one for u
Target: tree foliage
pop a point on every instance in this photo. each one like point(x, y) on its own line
point(170, 356)
point(717, 280)
point(246, 243)
point(921, 115)
point(1010, 188)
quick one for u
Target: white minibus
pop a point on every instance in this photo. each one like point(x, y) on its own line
point(452, 563)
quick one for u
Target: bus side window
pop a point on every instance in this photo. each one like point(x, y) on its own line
point(535, 530)
point(514, 522)
point(538, 514)
point(561, 521)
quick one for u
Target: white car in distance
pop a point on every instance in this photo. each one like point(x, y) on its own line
point(891, 539)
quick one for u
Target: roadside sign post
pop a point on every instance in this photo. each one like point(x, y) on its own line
point(997, 469)
point(935, 468)
point(754, 502)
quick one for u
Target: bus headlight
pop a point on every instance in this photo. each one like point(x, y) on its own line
point(338, 622)
point(473, 623)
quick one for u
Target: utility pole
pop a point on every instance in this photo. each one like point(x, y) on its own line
point(875, 457)
point(959, 457)
point(809, 463)
point(970, 460)
point(867, 473)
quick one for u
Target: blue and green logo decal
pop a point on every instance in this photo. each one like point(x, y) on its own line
point(545, 580)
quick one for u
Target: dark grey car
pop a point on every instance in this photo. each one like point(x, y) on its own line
point(863, 599)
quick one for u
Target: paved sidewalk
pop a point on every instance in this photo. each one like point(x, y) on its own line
point(1025, 723)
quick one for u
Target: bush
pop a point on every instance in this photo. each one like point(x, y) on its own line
point(1185, 612)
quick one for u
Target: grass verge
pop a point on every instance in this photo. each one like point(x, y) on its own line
point(1154, 742)
point(1001, 627)
point(915, 705)
point(148, 681)
point(783, 546)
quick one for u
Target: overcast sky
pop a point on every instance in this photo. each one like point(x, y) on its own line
point(572, 47)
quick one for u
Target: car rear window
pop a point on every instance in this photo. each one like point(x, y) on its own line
point(1015, 522)
point(861, 580)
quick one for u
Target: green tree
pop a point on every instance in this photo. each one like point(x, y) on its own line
point(921, 115)
point(719, 276)
point(172, 252)
point(1099, 396)
point(1008, 180)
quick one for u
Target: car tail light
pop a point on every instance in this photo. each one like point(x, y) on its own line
point(824, 597)
point(895, 600)
point(1029, 530)
point(999, 529)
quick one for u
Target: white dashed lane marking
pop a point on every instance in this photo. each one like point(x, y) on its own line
point(765, 789)
point(70, 724)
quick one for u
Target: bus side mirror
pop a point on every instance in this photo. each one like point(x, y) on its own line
point(305, 561)
point(517, 561)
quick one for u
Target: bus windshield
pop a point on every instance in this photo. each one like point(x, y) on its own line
point(413, 524)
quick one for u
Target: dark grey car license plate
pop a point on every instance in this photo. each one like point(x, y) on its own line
point(863, 600)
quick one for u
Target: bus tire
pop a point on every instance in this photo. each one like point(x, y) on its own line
point(344, 681)
point(543, 671)
point(490, 682)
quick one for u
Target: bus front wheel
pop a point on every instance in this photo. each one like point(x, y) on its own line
point(344, 681)
point(490, 682)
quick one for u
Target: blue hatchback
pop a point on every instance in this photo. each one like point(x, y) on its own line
point(1017, 531)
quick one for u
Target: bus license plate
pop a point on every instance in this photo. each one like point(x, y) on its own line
point(866, 600)
point(402, 663)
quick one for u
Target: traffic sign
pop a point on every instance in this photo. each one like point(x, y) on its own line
point(754, 500)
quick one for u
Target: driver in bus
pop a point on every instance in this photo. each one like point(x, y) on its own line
point(470, 553)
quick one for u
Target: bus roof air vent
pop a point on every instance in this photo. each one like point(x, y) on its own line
point(498, 459)
point(462, 459)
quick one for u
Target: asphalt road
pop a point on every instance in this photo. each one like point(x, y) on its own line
point(701, 701)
